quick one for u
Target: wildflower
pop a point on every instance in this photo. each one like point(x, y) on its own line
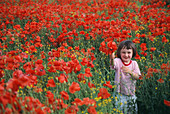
point(51, 83)
point(143, 46)
point(74, 87)
point(91, 85)
point(152, 49)
point(77, 101)
point(167, 103)
point(63, 78)
point(103, 93)
point(160, 80)
point(92, 110)
point(72, 110)
point(108, 84)
point(64, 95)
point(87, 72)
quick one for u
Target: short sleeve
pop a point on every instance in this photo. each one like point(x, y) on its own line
point(136, 68)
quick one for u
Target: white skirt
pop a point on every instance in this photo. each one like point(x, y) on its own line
point(126, 104)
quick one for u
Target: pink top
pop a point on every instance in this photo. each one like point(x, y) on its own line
point(125, 84)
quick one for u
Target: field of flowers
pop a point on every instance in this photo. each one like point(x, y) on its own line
point(54, 54)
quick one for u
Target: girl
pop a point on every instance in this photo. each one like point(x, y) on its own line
point(126, 74)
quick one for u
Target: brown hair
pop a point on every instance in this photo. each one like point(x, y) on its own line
point(128, 44)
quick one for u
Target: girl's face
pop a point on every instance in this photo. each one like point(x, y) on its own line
point(126, 55)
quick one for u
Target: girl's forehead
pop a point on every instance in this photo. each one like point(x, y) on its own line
point(126, 47)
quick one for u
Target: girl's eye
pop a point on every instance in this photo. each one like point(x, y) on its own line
point(129, 52)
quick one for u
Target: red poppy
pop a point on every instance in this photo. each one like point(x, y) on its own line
point(136, 40)
point(103, 93)
point(77, 102)
point(103, 44)
point(137, 56)
point(64, 95)
point(164, 39)
point(87, 72)
point(167, 103)
point(86, 101)
point(36, 89)
point(59, 104)
point(51, 83)
point(91, 85)
point(143, 35)
point(143, 53)
point(50, 97)
point(63, 78)
point(72, 110)
point(1, 73)
point(39, 70)
point(84, 61)
point(13, 84)
point(81, 77)
point(74, 87)
point(32, 49)
point(152, 49)
point(112, 46)
point(77, 68)
point(92, 110)
point(143, 46)
point(108, 84)
point(160, 80)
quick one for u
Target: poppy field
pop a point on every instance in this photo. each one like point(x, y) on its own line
point(54, 55)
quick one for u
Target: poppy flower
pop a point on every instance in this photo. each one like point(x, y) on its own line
point(143, 46)
point(103, 93)
point(1, 73)
point(59, 104)
point(112, 46)
point(152, 49)
point(36, 89)
point(137, 56)
point(51, 83)
point(84, 61)
point(86, 101)
point(103, 44)
point(164, 40)
point(74, 87)
point(77, 68)
point(167, 103)
point(91, 85)
point(91, 110)
point(77, 102)
point(136, 41)
point(72, 110)
point(64, 95)
point(32, 49)
point(50, 97)
point(160, 80)
point(81, 77)
point(108, 84)
point(62, 78)
point(87, 72)
point(39, 71)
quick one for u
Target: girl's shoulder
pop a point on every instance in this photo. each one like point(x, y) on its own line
point(117, 59)
point(134, 62)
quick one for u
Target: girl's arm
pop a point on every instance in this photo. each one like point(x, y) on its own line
point(112, 56)
point(133, 74)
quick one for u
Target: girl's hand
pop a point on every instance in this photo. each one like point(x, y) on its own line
point(126, 70)
point(112, 56)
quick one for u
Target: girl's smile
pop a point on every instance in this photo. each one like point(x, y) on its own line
point(126, 55)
